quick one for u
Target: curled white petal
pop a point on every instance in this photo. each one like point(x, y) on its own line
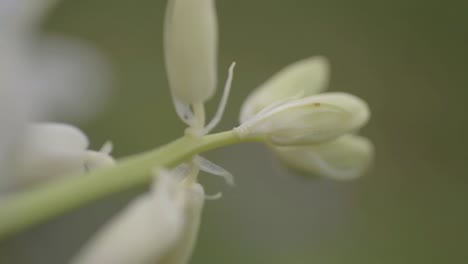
point(213, 197)
point(345, 158)
point(307, 77)
point(222, 104)
point(209, 167)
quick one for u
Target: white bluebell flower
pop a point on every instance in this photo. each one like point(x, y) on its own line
point(50, 150)
point(44, 77)
point(309, 131)
point(158, 227)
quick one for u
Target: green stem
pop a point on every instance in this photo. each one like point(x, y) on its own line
point(27, 209)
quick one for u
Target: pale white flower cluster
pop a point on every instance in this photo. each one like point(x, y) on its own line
point(310, 131)
point(44, 77)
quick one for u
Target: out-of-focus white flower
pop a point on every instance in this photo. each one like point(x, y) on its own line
point(182, 251)
point(12, 120)
point(190, 45)
point(300, 79)
point(42, 77)
point(70, 78)
point(309, 132)
point(50, 150)
point(52, 76)
point(158, 227)
point(345, 158)
point(313, 119)
point(23, 16)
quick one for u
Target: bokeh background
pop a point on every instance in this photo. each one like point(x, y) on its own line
point(407, 59)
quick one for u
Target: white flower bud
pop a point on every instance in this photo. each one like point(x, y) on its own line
point(183, 249)
point(309, 120)
point(159, 227)
point(190, 49)
point(49, 150)
point(345, 158)
point(144, 231)
point(303, 78)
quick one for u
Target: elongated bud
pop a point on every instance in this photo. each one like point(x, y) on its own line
point(303, 78)
point(145, 231)
point(309, 120)
point(345, 158)
point(49, 150)
point(190, 48)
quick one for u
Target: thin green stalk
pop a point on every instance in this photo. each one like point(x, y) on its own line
point(24, 210)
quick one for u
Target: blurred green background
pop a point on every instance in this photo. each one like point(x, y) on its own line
point(407, 59)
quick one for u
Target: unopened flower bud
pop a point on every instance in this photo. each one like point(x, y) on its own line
point(193, 206)
point(303, 78)
point(309, 120)
point(158, 227)
point(190, 47)
point(144, 231)
point(345, 158)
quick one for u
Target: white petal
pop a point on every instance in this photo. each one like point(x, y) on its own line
point(107, 148)
point(45, 151)
point(190, 45)
point(56, 134)
point(306, 77)
point(183, 249)
point(309, 120)
point(345, 158)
